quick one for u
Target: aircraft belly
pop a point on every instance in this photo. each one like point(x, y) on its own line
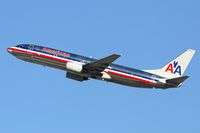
point(41, 61)
point(129, 82)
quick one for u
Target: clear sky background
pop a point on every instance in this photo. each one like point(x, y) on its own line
point(148, 34)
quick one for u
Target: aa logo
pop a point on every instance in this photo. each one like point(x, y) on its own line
point(174, 68)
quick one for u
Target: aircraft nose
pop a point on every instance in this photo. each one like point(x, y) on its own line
point(9, 50)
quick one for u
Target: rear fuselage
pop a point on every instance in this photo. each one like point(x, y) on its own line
point(57, 59)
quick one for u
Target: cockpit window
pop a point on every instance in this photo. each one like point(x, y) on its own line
point(19, 46)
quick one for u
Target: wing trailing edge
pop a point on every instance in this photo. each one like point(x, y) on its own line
point(102, 64)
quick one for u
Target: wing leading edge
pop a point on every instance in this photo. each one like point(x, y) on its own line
point(99, 66)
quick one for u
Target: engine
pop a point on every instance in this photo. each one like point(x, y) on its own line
point(75, 67)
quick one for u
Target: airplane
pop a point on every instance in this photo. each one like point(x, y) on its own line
point(83, 68)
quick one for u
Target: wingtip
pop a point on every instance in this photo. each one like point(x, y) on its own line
point(186, 76)
point(191, 50)
point(118, 55)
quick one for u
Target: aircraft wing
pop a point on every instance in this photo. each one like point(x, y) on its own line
point(100, 65)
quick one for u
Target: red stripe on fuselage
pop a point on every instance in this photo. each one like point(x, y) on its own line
point(65, 60)
point(130, 77)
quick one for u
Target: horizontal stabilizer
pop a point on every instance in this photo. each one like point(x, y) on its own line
point(177, 81)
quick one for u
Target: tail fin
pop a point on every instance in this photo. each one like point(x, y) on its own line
point(176, 67)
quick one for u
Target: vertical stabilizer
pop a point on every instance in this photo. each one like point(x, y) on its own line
point(176, 67)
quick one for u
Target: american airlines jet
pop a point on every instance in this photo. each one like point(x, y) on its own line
point(83, 68)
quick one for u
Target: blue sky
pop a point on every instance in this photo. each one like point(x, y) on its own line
point(147, 34)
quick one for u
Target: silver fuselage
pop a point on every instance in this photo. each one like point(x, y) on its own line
point(58, 59)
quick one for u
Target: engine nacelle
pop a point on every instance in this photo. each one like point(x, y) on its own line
point(75, 67)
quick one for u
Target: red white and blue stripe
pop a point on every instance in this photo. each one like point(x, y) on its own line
point(112, 71)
